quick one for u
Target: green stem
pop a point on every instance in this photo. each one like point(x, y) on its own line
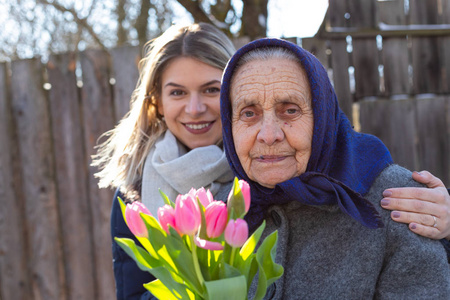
point(233, 254)
point(196, 265)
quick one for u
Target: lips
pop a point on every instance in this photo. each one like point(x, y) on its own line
point(270, 158)
point(198, 127)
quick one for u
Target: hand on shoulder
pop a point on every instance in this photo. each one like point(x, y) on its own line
point(426, 210)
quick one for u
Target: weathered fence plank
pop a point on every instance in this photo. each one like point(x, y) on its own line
point(125, 62)
point(98, 117)
point(14, 280)
point(425, 50)
point(319, 48)
point(433, 126)
point(395, 52)
point(365, 52)
point(444, 48)
point(30, 110)
point(71, 177)
point(340, 60)
point(340, 63)
point(394, 123)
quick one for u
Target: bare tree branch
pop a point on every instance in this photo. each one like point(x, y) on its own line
point(82, 22)
point(195, 9)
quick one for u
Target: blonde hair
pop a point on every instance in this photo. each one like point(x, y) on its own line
point(121, 157)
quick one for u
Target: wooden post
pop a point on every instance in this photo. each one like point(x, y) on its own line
point(444, 49)
point(365, 52)
point(340, 60)
point(71, 177)
point(395, 52)
point(125, 66)
point(98, 117)
point(14, 279)
point(30, 111)
point(425, 50)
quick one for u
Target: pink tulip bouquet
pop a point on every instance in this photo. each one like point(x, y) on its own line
point(199, 248)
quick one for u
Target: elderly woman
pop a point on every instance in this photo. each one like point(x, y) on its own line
point(318, 183)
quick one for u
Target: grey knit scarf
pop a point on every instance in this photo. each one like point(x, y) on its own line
point(174, 170)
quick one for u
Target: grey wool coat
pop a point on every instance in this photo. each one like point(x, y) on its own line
point(328, 255)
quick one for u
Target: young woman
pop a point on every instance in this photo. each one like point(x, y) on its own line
point(171, 138)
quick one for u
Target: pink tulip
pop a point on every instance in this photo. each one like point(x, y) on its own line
point(166, 217)
point(234, 198)
point(187, 214)
point(245, 188)
point(203, 195)
point(208, 245)
point(134, 220)
point(236, 232)
point(216, 216)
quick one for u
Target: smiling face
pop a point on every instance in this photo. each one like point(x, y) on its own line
point(272, 119)
point(190, 102)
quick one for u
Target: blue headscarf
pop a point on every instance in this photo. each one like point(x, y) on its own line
point(343, 163)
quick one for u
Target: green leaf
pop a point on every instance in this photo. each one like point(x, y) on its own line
point(249, 246)
point(144, 261)
point(179, 258)
point(166, 199)
point(228, 288)
point(269, 271)
point(167, 288)
point(123, 206)
point(245, 259)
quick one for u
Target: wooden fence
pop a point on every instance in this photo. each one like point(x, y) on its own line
point(54, 222)
point(390, 63)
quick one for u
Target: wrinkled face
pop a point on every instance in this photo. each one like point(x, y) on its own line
point(190, 102)
point(272, 119)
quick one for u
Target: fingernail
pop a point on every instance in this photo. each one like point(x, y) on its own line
point(387, 193)
point(384, 202)
point(396, 214)
point(413, 226)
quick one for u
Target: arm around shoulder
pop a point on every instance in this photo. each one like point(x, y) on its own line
point(413, 265)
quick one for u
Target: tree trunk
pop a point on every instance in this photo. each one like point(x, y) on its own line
point(142, 22)
point(254, 19)
point(121, 15)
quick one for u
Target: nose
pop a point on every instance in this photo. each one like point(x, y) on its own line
point(195, 106)
point(270, 131)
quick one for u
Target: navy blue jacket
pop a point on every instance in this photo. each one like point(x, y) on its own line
point(129, 278)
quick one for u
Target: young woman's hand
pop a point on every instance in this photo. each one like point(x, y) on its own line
point(426, 210)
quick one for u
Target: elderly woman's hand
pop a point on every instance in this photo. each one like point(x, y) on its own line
point(426, 210)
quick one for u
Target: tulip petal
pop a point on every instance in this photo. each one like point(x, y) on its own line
point(208, 245)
